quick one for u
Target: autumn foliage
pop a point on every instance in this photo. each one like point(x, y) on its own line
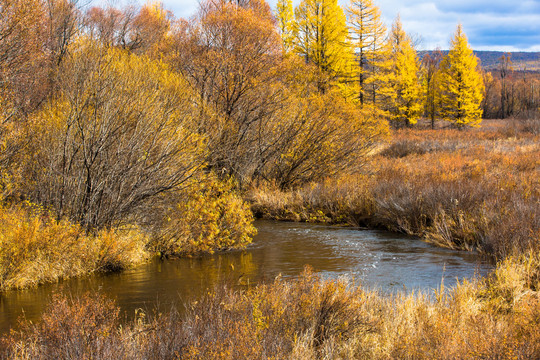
point(35, 248)
point(465, 190)
point(463, 83)
point(129, 118)
point(127, 133)
point(208, 216)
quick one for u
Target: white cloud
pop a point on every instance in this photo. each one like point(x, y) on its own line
point(489, 24)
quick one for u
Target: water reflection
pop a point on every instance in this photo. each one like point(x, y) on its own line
point(376, 259)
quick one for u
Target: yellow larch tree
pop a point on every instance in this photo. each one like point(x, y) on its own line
point(462, 82)
point(285, 19)
point(367, 32)
point(321, 38)
point(402, 89)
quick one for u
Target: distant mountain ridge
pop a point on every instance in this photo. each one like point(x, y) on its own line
point(521, 61)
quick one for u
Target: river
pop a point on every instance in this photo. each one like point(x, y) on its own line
point(376, 259)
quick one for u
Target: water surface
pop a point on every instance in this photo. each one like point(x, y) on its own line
point(375, 259)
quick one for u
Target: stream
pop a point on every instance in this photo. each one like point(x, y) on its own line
point(375, 259)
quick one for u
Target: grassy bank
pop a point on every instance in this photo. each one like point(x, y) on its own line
point(308, 318)
point(476, 189)
point(35, 248)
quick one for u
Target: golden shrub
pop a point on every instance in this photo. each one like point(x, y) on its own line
point(36, 248)
point(209, 216)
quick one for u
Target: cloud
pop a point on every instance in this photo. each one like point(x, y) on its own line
point(182, 8)
point(489, 24)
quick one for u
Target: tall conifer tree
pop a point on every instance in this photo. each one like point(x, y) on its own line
point(401, 88)
point(463, 83)
point(368, 32)
point(321, 37)
point(285, 18)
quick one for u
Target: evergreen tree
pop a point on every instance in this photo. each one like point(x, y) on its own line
point(367, 33)
point(285, 18)
point(462, 83)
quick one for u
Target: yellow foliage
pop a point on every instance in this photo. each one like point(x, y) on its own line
point(285, 18)
point(35, 248)
point(331, 136)
point(368, 32)
point(321, 38)
point(209, 216)
point(120, 131)
point(463, 83)
point(400, 84)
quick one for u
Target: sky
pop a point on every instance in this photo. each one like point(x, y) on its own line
point(502, 25)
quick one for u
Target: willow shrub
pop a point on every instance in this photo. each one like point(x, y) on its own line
point(206, 217)
point(118, 135)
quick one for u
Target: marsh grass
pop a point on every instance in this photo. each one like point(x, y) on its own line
point(472, 190)
point(475, 189)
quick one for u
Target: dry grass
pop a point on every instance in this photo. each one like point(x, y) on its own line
point(308, 318)
point(35, 248)
point(476, 189)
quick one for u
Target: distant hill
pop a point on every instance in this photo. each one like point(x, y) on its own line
point(521, 61)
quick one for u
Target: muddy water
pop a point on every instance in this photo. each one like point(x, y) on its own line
point(376, 259)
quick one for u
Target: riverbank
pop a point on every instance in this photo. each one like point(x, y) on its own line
point(35, 248)
point(376, 260)
point(38, 248)
point(472, 190)
point(308, 318)
point(476, 189)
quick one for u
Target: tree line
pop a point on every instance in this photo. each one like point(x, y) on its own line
point(511, 93)
point(380, 69)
